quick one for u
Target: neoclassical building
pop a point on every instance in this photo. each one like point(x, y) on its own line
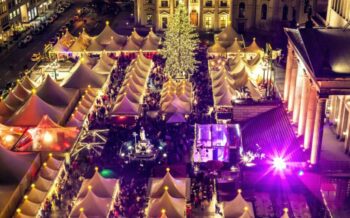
point(217, 14)
point(317, 85)
point(338, 13)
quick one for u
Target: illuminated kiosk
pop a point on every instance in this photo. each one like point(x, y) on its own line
point(218, 142)
point(143, 149)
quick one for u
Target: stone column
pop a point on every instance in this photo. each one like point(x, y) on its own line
point(347, 138)
point(340, 118)
point(318, 131)
point(293, 80)
point(303, 105)
point(297, 95)
point(288, 72)
point(310, 117)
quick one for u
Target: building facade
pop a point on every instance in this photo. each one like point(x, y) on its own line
point(317, 85)
point(18, 12)
point(338, 13)
point(217, 14)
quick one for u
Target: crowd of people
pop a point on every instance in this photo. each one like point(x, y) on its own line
point(202, 190)
point(131, 201)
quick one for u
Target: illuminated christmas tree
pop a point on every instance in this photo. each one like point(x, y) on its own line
point(181, 41)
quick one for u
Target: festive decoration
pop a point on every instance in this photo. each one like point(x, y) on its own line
point(179, 45)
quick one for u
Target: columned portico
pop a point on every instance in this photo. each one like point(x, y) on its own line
point(317, 71)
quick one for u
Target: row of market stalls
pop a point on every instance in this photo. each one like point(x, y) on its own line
point(168, 196)
point(46, 117)
point(108, 40)
point(236, 71)
point(176, 100)
point(96, 197)
point(41, 188)
point(131, 94)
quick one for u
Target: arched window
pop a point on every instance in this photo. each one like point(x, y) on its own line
point(264, 12)
point(241, 10)
point(285, 12)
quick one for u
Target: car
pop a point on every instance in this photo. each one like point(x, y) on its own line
point(21, 44)
point(50, 20)
point(36, 57)
point(27, 39)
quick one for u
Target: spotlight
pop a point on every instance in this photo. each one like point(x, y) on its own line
point(300, 173)
point(279, 163)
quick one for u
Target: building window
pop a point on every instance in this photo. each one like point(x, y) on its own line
point(208, 3)
point(223, 3)
point(149, 19)
point(223, 21)
point(264, 12)
point(164, 22)
point(241, 10)
point(194, 17)
point(285, 12)
point(150, 1)
point(208, 22)
point(164, 3)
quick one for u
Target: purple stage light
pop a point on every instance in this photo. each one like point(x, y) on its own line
point(279, 163)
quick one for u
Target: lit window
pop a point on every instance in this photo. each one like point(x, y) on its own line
point(223, 21)
point(208, 22)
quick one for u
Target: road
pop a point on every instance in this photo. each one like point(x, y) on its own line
point(19, 57)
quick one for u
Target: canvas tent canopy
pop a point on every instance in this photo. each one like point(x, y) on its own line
point(216, 48)
point(176, 187)
point(47, 136)
point(227, 36)
point(83, 77)
point(235, 207)
point(101, 187)
point(9, 136)
point(92, 205)
point(54, 94)
point(32, 112)
point(174, 207)
point(131, 94)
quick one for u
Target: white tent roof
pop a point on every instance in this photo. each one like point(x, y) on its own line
point(5, 110)
point(234, 48)
point(53, 163)
point(13, 101)
point(20, 91)
point(176, 187)
point(32, 112)
point(235, 208)
point(82, 76)
point(227, 36)
point(43, 184)
point(216, 48)
point(105, 37)
point(74, 122)
point(102, 67)
point(174, 207)
point(126, 107)
point(131, 45)
point(100, 186)
point(136, 37)
point(29, 208)
point(78, 45)
point(253, 47)
point(113, 46)
point(48, 173)
point(28, 83)
point(108, 60)
point(36, 196)
point(59, 47)
point(92, 205)
point(53, 93)
point(95, 46)
point(176, 118)
point(149, 45)
point(151, 35)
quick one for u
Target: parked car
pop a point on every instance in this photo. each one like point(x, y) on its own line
point(36, 57)
point(21, 44)
point(27, 39)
